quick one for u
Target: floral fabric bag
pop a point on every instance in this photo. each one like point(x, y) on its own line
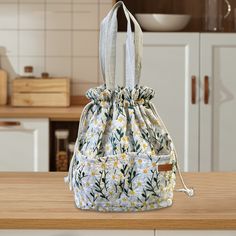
point(124, 158)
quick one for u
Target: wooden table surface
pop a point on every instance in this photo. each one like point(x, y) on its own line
point(43, 201)
point(53, 113)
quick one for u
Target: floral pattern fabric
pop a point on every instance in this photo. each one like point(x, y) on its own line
point(118, 151)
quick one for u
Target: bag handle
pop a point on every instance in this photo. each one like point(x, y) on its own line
point(107, 48)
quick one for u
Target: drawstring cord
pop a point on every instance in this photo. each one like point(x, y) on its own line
point(69, 177)
point(186, 190)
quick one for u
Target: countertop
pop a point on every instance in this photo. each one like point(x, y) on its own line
point(43, 201)
point(53, 113)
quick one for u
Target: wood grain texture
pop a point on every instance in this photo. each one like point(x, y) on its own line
point(43, 201)
point(54, 85)
point(79, 100)
point(196, 8)
point(3, 87)
point(54, 92)
point(41, 99)
point(53, 113)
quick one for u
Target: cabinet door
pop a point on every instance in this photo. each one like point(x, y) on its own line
point(195, 233)
point(218, 127)
point(169, 62)
point(24, 144)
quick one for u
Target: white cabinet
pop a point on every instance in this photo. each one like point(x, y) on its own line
point(24, 144)
point(195, 233)
point(169, 62)
point(203, 132)
point(76, 232)
point(218, 117)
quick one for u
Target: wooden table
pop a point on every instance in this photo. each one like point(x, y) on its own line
point(53, 113)
point(43, 201)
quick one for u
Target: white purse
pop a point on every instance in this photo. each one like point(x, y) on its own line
point(124, 158)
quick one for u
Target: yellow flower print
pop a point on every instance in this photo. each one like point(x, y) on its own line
point(90, 153)
point(87, 184)
point(136, 133)
point(103, 103)
point(144, 204)
point(95, 122)
point(93, 173)
point(139, 183)
point(152, 206)
point(104, 165)
point(108, 204)
point(113, 177)
point(111, 192)
point(145, 146)
point(141, 101)
point(142, 124)
point(124, 139)
point(132, 192)
point(85, 123)
point(145, 171)
point(104, 93)
point(140, 161)
point(155, 122)
point(120, 119)
point(115, 164)
point(124, 199)
point(154, 164)
point(123, 156)
point(153, 153)
point(132, 204)
point(103, 126)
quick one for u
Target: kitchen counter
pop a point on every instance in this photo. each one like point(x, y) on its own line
point(43, 201)
point(53, 113)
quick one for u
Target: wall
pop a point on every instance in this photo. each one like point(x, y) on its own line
point(56, 36)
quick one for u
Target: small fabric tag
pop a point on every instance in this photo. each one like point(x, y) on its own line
point(165, 167)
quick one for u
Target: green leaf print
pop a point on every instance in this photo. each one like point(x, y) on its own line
point(80, 175)
point(152, 184)
point(101, 185)
point(131, 177)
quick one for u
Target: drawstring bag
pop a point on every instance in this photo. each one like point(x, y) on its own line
point(124, 158)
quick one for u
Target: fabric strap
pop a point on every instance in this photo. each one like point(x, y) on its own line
point(107, 48)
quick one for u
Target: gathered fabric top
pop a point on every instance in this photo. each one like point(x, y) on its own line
point(121, 95)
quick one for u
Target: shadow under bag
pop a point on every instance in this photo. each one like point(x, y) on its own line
point(124, 158)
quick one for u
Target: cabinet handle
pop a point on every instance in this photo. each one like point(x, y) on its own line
point(193, 89)
point(206, 89)
point(9, 123)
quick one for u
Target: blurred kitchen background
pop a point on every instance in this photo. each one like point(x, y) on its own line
point(49, 59)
